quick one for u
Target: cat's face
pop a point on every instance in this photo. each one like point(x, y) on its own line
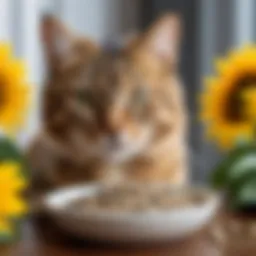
point(113, 105)
point(107, 104)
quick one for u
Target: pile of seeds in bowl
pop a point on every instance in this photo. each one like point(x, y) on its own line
point(139, 198)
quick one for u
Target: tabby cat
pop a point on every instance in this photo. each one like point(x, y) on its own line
point(111, 116)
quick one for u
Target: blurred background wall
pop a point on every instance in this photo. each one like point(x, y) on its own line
point(212, 27)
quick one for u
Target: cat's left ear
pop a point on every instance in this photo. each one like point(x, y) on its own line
point(57, 39)
point(164, 38)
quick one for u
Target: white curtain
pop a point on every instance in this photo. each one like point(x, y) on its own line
point(236, 16)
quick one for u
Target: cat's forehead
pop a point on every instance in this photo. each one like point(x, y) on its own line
point(107, 62)
point(109, 69)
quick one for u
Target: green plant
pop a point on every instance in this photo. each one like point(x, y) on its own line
point(236, 174)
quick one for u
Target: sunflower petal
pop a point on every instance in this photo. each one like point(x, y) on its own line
point(13, 90)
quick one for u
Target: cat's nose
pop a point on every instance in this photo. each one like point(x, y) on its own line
point(114, 140)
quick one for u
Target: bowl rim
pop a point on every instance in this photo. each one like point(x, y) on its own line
point(212, 202)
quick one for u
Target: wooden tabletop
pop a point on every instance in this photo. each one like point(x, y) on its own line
point(228, 235)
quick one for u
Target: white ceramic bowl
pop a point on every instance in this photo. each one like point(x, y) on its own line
point(115, 226)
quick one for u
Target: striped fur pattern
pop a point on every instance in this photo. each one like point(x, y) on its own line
point(111, 116)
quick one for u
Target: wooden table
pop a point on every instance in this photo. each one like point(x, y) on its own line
point(228, 235)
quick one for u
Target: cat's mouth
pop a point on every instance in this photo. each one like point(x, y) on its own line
point(120, 154)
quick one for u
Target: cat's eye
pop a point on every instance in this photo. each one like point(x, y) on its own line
point(139, 101)
point(140, 96)
point(84, 97)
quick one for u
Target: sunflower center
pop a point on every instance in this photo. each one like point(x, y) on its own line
point(235, 102)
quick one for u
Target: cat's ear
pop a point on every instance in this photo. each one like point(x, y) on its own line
point(56, 38)
point(163, 38)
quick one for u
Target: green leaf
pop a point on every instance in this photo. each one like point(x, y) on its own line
point(245, 165)
point(220, 176)
point(15, 235)
point(244, 193)
point(10, 152)
point(236, 185)
point(5, 238)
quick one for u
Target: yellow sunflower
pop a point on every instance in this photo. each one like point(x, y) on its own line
point(11, 203)
point(222, 101)
point(250, 104)
point(14, 90)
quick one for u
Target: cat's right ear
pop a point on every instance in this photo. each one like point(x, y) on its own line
point(57, 40)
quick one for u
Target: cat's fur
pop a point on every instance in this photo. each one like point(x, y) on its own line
point(111, 116)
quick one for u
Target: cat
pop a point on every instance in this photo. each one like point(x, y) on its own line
point(111, 116)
